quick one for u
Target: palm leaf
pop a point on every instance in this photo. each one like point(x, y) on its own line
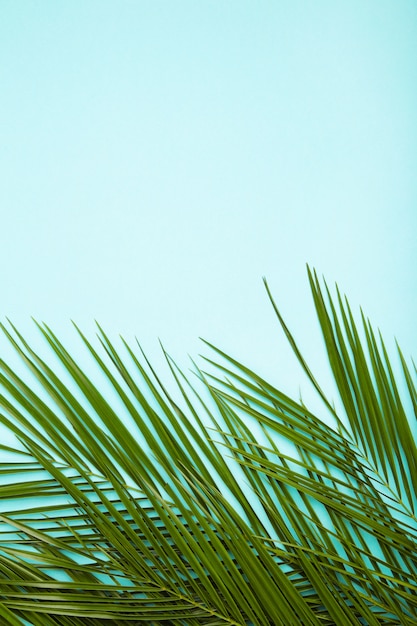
point(220, 502)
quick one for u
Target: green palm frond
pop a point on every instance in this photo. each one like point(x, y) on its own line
point(222, 503)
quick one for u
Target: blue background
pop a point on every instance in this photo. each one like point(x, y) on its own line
point(159, 157)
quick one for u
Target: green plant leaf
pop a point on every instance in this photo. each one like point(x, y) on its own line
point(223, 502)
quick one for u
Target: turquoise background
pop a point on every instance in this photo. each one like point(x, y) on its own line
point(159, 157)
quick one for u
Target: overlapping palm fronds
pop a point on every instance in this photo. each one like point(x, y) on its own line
point(230, 504)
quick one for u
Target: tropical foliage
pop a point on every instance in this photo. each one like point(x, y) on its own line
point(224, 502)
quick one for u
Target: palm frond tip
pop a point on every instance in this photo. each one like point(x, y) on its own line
point(171, 511)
